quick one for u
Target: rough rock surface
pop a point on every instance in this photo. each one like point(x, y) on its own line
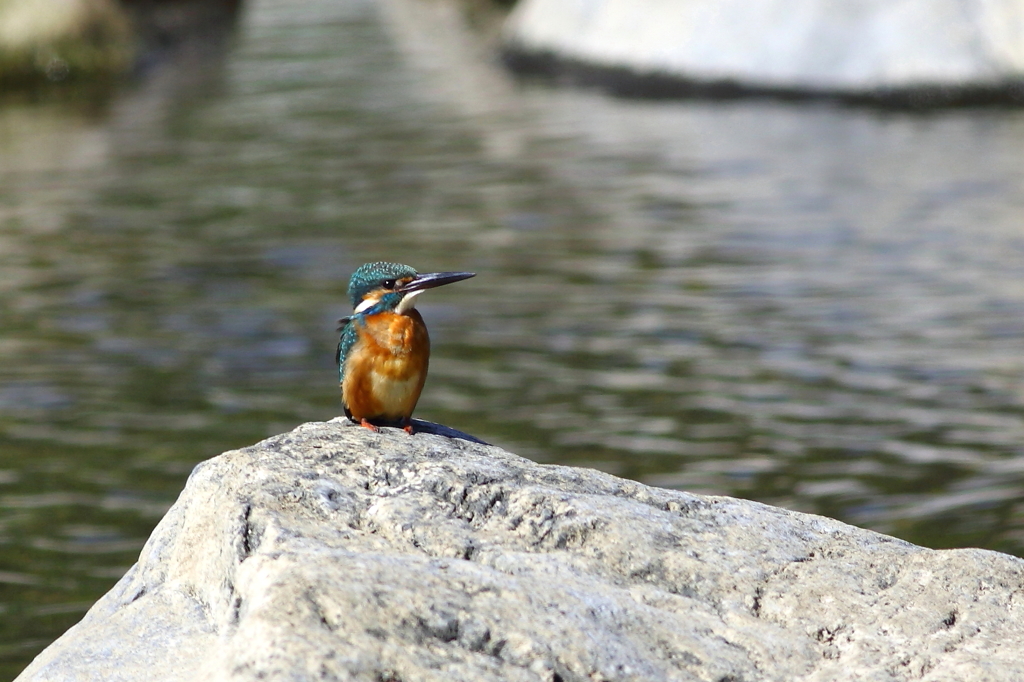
point(793, 45)
point(332, 553)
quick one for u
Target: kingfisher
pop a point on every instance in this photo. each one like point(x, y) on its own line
point(384, 347)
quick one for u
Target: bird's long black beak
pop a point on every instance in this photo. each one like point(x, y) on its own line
point(429, 280)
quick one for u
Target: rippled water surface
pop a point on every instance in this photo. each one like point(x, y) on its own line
point(816, 307)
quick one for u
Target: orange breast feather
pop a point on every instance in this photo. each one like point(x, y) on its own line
point(386, 368)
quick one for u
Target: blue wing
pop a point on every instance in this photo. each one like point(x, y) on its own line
point(348, 339)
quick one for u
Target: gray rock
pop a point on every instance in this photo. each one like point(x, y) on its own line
point(333, 553)
point(793, 45)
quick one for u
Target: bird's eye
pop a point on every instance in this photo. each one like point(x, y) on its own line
point(388, 284)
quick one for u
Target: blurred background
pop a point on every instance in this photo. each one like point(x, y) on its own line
point(810, 304)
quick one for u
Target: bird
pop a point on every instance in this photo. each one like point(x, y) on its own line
point(384, 348)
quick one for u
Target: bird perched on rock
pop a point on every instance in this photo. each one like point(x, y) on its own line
point(384, 347)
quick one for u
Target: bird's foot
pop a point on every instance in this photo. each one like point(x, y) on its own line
point(364, 423)
point(408, 426)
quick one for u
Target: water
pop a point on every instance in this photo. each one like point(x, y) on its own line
point(816, 307)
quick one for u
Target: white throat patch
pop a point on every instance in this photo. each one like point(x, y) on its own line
point(408, 302)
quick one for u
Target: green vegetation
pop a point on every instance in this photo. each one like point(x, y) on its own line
point(79, 40)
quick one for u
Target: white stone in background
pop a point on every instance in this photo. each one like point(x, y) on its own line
point(333, 553)
point(835, 45)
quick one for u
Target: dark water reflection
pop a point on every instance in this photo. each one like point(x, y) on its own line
point(815, 307)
